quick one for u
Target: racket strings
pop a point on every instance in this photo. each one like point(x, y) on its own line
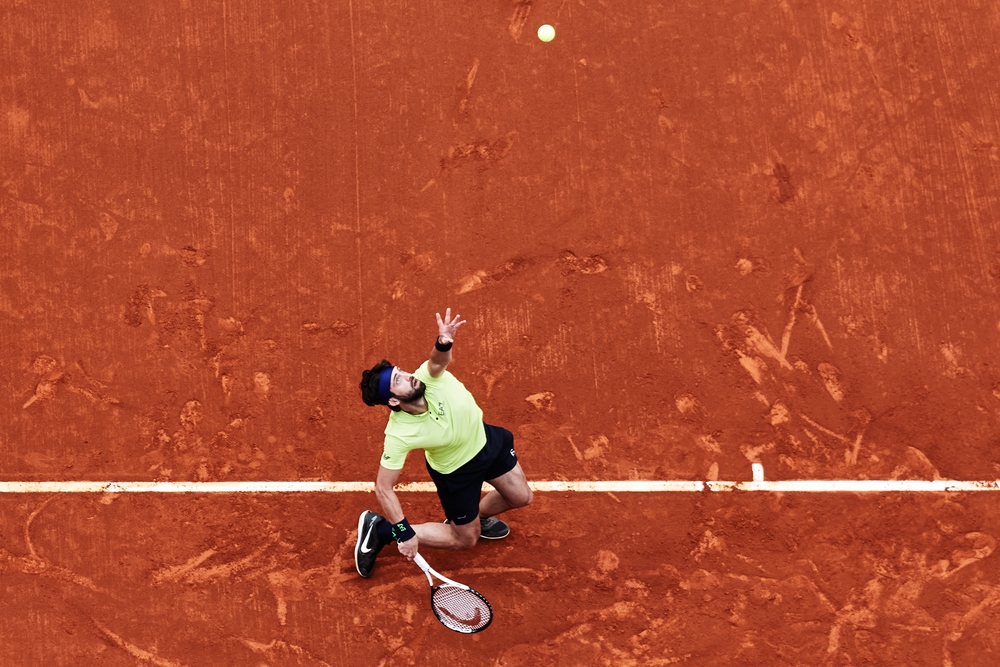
point(460, 609)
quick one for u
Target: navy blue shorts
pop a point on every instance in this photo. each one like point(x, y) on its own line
point(460, 491)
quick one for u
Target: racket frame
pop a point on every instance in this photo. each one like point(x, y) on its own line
point(430, 573)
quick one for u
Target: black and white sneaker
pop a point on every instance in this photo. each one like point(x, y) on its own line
point(368, 546)
point(491, 528)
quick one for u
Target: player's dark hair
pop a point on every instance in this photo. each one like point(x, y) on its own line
point(369, 385)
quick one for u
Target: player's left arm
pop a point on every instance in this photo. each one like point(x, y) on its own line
point(441, 353)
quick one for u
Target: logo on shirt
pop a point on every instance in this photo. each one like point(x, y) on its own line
point(385, 457)
point(441, 410)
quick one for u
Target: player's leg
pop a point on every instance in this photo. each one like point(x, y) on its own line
point(510, 487)
point(459, 493)
point(448, 535)
point(511, 491)
point(505, 474)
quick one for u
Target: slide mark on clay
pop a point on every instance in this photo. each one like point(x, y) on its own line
point(522, 8)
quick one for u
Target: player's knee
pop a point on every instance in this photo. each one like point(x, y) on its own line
point(465, 536)
point(526, 497)
point(467, 540)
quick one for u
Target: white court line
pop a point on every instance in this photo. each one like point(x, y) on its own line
point(619, 486)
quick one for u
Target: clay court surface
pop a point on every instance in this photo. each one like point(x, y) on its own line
point(687, 236)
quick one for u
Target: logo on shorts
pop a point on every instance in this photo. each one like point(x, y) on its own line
point(512, 452)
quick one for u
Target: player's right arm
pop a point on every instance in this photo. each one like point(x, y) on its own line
point(391, 509)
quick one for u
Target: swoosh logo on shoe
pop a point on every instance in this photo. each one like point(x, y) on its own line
point(364, 542)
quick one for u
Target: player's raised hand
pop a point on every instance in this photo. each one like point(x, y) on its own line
point(448, 326)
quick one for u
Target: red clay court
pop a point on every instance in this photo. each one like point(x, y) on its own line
point(687, 237)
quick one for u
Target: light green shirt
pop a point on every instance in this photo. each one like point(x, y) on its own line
point(450, 432)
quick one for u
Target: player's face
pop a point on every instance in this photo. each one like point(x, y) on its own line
point(405, 387)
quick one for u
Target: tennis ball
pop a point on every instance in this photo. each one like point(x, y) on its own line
point(546, 33)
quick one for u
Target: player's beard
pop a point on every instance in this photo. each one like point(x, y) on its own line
point(418, 392)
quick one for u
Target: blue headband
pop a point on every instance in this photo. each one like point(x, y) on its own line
point(384, 379)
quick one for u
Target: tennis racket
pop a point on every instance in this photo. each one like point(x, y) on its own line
point(457, 606)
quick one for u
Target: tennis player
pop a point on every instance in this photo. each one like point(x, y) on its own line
point(431, 410)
